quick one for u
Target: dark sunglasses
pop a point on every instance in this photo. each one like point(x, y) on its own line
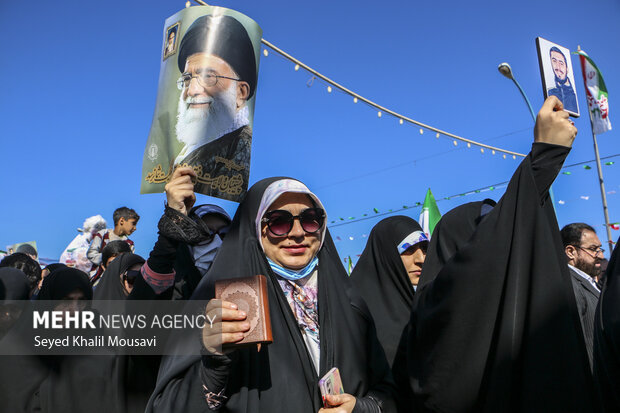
point(131, 275)
point(280, 222)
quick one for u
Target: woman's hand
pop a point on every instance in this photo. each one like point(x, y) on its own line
point(180, 190)
point(553, 125)
point(341, 403)
point(225, 324)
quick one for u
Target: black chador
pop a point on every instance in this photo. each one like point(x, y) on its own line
point(607, 337)
point(495, 326)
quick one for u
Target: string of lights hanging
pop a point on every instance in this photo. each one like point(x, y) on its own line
point(381, 110)
point(339, 221)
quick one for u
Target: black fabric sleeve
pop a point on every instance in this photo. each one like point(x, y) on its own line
point(161, 259)
point(143, 291)
point(368, 404)
point(186, 271)
point(547, 161)
point(214, 371)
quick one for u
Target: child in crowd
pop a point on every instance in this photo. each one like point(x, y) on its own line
point(125, 221)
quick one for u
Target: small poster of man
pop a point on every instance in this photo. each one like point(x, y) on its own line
point(205, 102)
point(556, 71)
point(170, 44)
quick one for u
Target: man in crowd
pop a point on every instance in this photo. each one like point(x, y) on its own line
point(584, 254)
point(563, 88)
point(218, 66)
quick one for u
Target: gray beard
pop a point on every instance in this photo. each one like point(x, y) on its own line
point(199, 126)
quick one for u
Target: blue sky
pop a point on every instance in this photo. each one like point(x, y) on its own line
point(79, 81)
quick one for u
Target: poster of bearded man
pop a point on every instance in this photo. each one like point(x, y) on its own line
point(205, 102)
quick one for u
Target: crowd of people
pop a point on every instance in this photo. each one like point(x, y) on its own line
point(498, 310)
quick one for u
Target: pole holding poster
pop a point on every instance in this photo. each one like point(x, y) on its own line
point(204, 110)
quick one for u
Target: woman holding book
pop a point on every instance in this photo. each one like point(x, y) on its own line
point(318, 321)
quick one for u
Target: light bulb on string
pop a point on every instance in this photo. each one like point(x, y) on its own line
point(356, 97)
point(504, 156)
point(437, 135)
point(493, 152)
point(468, 145)
point(454, 142)
point(329, 89)
point(187, 4)
point(421, 131)
point(514, 157)
point(481, 150)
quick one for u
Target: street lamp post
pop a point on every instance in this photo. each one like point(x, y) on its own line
point(506, 70)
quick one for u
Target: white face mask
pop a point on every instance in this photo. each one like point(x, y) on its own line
point(204, 253)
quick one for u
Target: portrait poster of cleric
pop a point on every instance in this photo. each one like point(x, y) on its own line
point(556, 71)
point(205, 102)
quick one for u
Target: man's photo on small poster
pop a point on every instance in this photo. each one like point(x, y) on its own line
point(558, 77)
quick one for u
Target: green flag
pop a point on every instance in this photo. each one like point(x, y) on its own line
point(430, 214)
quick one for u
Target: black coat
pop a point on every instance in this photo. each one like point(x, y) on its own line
point(566, 94)
point(587, 300)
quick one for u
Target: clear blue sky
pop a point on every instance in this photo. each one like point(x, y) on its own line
point(79, 81)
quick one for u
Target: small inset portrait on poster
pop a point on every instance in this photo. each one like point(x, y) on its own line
point(170, 41)
point(556, 72)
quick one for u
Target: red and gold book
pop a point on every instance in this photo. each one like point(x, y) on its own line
point(250, 295)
